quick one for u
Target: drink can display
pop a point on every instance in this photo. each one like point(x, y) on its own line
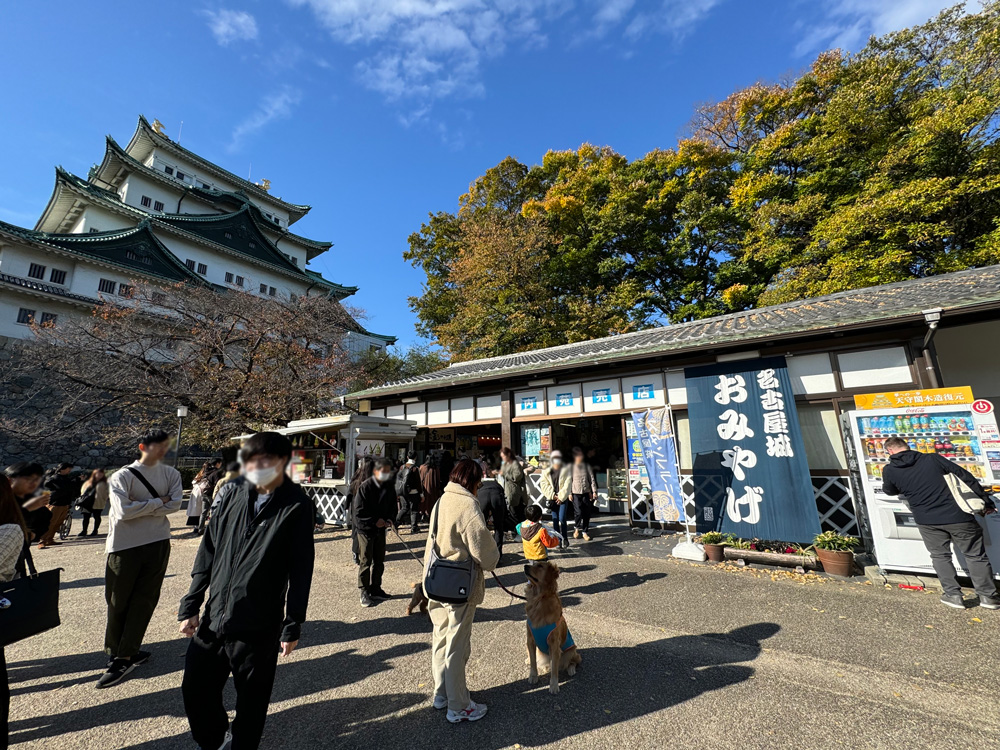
point(969, 424)
point(912, 444)
point(866, 426)
point(907, 427)
point(899, 424)
point(924, 423)
point(876, 471)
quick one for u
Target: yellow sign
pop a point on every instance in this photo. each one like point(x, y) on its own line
point(906, 399)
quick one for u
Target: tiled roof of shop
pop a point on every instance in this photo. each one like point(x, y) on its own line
point(879, 305)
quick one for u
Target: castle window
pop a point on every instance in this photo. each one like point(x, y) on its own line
point(57, 277)
point(271, 292)
point(106, 286)
point(229, 277)
point(25, 317)
point(263, 288)
point(202, 269)
point(36, 271)
point(190, 264)
point(239, 281)
point(168, 170)
point(125, 290)
point(146, 201)
point(158, 206)
point(49, 319)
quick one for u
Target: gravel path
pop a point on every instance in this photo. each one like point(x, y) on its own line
point(675, 655)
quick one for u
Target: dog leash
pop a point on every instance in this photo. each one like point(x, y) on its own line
point(495, 578)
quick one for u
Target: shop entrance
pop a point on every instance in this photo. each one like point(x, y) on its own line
point(602, 441)
point(471, 441)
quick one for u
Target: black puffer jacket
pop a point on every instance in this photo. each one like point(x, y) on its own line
point(258, 568)
point(920, 478)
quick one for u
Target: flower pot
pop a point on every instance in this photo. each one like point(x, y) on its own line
point(836, 562)
point(714, 552)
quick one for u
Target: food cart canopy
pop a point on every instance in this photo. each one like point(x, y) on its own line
point(361, 425)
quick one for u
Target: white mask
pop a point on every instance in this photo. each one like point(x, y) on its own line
point(262, 477)
point(383, 476)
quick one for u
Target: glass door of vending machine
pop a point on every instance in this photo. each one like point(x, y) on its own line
point(957, 433)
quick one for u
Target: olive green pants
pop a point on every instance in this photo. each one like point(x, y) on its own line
point(132, 581)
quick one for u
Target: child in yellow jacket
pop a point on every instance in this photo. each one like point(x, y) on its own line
point(537, 539)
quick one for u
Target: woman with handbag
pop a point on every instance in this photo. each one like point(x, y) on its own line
point(93, 500)
point(556, 485)
point(14, 540)
point(458, 538)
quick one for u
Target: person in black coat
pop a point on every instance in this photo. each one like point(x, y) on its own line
point(493, 501)
point(374, 510)
point(255, 563)
point(919, 477)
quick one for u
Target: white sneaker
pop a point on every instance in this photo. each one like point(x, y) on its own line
point(440, 701)
point(473, 712)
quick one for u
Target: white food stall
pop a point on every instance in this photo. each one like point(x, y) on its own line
point(325, 452)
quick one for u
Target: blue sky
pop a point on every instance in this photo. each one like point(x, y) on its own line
point(377, 112)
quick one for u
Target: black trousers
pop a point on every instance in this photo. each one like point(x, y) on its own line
point(371, 559)
point(4, 702)
point(132, 582)
point(209, 662)
point(968, 539)
point(583, 507)
point(94, 513)
point(496, 510)
point(409, 508)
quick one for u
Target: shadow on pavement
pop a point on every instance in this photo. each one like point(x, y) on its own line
point(614, 685)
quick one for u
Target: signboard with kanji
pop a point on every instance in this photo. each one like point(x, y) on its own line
point(903, 399)
point(751, 477)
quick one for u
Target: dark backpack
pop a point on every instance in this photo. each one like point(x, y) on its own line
point(402, 477)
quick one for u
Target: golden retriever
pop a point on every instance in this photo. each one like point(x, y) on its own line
point(548, 633)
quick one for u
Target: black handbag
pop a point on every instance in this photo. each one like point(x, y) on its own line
point(86, 500)
point(29, 605)
point(448, 581)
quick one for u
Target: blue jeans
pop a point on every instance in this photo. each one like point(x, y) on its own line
point(559, 523)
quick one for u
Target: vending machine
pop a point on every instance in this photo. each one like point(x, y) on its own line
point(965, 433)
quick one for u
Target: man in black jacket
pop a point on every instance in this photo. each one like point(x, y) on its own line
point(493, 502)
point(919, 477)
point(256, 560)
point(374, 511)
point(408, 490)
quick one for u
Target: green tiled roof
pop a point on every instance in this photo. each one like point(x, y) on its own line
point(873, 307)
point(135, 249)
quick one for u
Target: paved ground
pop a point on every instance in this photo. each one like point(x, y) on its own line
point(675, 655)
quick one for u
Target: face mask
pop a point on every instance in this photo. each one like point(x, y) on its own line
point(382, 476)
point(557, 463)
point(262, 477)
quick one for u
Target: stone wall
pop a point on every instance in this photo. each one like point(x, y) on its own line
point(86, 448)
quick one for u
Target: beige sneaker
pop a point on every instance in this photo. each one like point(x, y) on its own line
point(586, 536)
point(576, 533)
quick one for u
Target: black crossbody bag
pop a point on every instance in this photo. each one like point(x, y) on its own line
point(29, 605)
point(448, 581)
point(145, 482)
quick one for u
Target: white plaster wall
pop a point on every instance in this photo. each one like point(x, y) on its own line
point(968, 356)
point(94, 217)
point(135, 186)
point(10, 303)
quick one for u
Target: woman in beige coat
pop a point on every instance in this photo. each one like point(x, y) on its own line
point(461, 533)
point(97, 480)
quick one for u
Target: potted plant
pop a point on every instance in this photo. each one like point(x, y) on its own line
point(835, 552)
point(713, 542)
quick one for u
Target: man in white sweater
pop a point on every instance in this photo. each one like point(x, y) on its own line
point(141, 496)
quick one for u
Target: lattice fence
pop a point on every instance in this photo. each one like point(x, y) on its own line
point(332, 503)
point(833, 502)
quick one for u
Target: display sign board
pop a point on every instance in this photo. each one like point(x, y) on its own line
point(441, 435)
point(529, 403)
point(372, 448)
point(565, 398)
point(602, 395)
point(643, 391)
point(659, 454)
point(751, 477)
point(904, 399)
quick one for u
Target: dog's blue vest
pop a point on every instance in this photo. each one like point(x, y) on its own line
point(541, 634)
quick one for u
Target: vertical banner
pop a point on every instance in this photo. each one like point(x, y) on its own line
point(751, 478)
point(655, 434)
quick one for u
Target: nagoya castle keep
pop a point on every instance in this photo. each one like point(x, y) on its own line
point(155, 212)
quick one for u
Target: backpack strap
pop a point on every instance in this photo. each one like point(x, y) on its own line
point(145, 482)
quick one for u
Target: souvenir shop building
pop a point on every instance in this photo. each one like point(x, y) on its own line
point(919, 334)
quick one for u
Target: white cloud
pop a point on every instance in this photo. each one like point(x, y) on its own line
point(276, 106)
point(422, 51)
point(847, 24)
point(229, 26)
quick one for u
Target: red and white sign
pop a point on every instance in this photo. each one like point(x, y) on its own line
point(982, 406)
